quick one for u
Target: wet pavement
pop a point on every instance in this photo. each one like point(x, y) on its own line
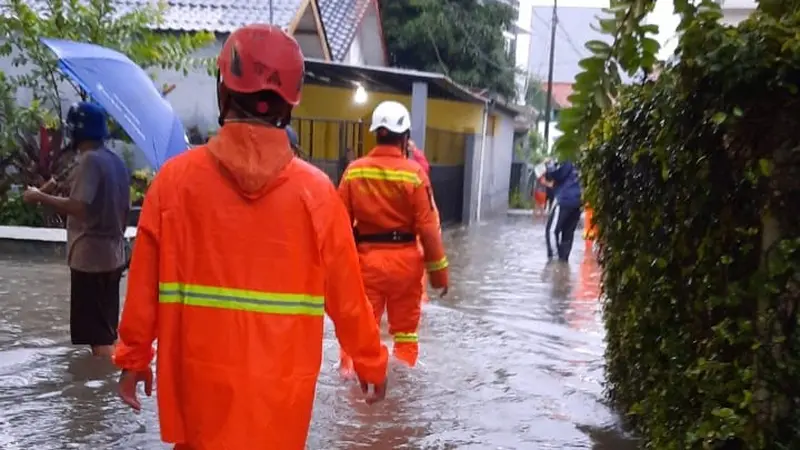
point(512, 359)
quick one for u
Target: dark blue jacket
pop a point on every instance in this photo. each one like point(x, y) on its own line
point(566, 184)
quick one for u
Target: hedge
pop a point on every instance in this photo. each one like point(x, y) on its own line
point(695, 183)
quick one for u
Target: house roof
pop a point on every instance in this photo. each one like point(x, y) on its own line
point(385, 79)
point(392, 80)
point(573, 31)
point(561, 93)
point(219, 16)
point(341, 19)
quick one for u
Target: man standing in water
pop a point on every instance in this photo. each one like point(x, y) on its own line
point(97, 211)
point(566, 211)
point(390, 203)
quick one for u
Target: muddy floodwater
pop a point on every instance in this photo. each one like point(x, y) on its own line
point(512, 359)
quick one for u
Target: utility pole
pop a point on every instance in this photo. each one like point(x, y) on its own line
point(548, 109)
point(270, 13)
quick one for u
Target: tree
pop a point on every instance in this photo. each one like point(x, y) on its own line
point(26, 157)
point(536, 95)
point(95, 21)
point(532, 148)
point(461, 38)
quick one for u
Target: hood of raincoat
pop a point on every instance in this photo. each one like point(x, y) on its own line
point(251, 155)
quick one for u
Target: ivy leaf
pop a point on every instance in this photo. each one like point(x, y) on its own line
point(766, 167)
point(593, 64)
point(599, 48)
point(650, 28)
point(601, 98)
point(650, 46)
point(719, 117)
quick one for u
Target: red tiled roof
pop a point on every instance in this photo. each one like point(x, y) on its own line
point(561, 93)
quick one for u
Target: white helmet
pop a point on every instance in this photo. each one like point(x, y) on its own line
point(391, 115)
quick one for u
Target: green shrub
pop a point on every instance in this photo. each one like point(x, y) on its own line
point(14, 212)
point(695, 183)
point(518, 201)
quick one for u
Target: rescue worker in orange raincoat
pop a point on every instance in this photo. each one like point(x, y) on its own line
point(390, 202)
point(235, 297)
point(418, 156)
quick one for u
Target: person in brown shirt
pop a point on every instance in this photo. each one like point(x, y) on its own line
point(97, 211)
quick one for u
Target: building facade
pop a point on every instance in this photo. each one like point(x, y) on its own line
point(735, 11)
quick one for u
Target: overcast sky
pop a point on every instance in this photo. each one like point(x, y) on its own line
point(662, 16)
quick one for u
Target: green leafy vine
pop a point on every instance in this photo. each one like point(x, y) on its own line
point(694, 176)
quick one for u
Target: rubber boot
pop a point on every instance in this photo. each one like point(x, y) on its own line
point(406, 352)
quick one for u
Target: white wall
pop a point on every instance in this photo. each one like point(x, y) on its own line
point(367, 47)
point(738, 4)
point(523, 48)
point(355, 56)
point(497, 159)
point(310, 43)
point(734, 16)
point(554, 132)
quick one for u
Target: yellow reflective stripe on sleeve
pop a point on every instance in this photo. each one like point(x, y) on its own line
point(241, 300)
point(437, 265)
point(374, 173)
point(406, 337)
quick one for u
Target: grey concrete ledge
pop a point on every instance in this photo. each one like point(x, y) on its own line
point(520, 212)
point(34, 241)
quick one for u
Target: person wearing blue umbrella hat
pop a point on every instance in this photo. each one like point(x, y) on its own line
point(97, 211)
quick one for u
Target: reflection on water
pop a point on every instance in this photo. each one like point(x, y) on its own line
point(512, 359)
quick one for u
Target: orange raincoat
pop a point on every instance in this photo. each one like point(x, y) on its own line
point(241, 249)
point(589, 227)
point(418, 156)
point(385, 192)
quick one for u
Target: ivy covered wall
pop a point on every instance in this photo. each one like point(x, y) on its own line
point(694, 177)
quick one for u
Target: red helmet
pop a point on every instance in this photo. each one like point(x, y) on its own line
point(262, 57)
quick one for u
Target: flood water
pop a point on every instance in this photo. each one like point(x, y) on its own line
point(512, 359)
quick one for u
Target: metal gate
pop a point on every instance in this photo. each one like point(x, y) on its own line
point(446, 151)
point(325, 142)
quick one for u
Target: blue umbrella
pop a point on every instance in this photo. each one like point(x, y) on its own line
point(127, 94)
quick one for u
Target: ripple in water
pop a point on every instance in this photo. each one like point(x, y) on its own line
point(512, 359)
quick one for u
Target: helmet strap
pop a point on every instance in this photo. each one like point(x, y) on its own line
point(223, 101)
point(227, 101)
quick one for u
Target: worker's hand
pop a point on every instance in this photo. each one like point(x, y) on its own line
point(378, 391)
point(444, 291)
point(32, 195)
point(129, 380)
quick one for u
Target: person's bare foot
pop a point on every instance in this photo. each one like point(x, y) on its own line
point(104, 351)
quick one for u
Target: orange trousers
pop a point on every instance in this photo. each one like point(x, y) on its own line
point(392, 277)
point(425, 298)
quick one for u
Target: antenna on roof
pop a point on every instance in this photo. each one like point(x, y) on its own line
point(548, 109)
point(271, 22)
